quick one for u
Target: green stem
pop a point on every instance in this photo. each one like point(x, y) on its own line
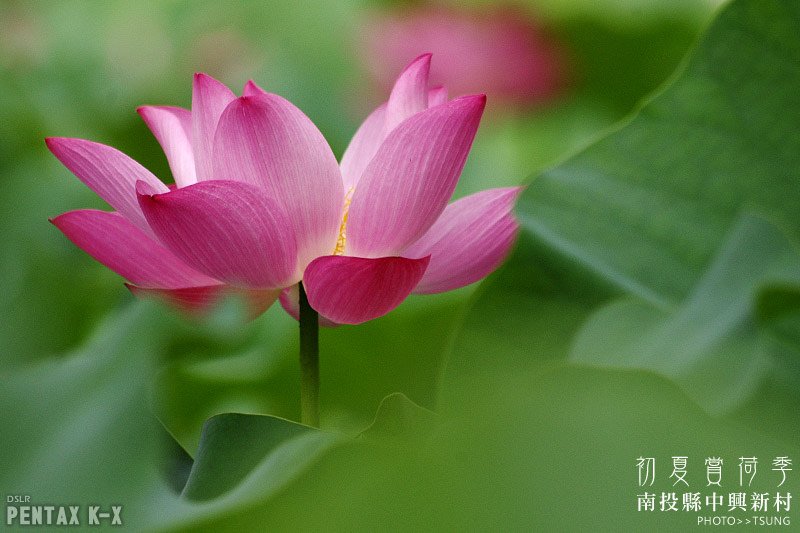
point(309, 362)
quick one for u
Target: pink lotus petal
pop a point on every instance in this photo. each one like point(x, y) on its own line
point(352, 290)
point(369, 137)
point(172, 127)
point(266, 141)
point(252, 89)
point(408, 183)
point(115, 242)
point(209, 100)
point(363, 146)
point(290, 301)
point(201, 300)
point(437, 95)
point(108, 172)
point(409, 95)
point(470, 240)
point(230, 230)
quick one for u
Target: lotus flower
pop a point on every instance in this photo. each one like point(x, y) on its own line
point(260, 203)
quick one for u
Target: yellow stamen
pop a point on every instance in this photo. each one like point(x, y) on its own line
point(340, 242)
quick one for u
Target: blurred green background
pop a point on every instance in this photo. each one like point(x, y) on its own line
point(651, 307)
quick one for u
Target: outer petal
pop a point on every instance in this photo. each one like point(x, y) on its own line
point(470, 240)
point(410, 92)
point(229, 230)
point(352, 290)
point(407, 184)
point(172, 127)
point(437, 95)
point(108, 172)
point(209, 100)
point(266, 141)
point(199, 300)
point(114, 241)
point(363, 146)
point(369, 137)
point(290, 301)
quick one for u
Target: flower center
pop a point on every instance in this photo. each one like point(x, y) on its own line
point(342, 239)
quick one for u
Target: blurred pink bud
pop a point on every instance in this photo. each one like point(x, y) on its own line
point(501, 53)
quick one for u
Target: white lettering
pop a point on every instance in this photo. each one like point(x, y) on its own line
point(93, 520)
point(61, 520)
point(36, 515)
point(11, 514)
point(73, 518)
point(116, 520)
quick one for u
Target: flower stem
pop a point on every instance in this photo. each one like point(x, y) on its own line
point(309, 362)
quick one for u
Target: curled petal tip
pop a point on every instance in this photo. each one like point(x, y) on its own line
point(143, 189)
